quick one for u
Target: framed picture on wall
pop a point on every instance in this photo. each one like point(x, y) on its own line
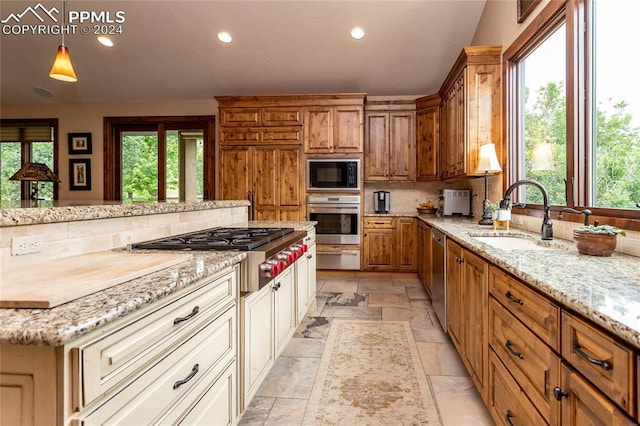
point(80, 143)
point(524, 9)
point(80, 174)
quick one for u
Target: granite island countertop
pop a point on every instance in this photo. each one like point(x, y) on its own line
point(605, 290)
point(59, 325)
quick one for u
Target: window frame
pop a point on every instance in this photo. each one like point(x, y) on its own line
point(574, 14)
point(27, 152)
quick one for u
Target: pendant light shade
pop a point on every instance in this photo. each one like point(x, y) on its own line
point(62, 68)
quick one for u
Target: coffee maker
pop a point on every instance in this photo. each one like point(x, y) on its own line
point(381, 201)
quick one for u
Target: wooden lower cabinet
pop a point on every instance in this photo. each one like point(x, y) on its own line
point(507, 403)
point(390, 244)
point(582, 404)
point(467, 307)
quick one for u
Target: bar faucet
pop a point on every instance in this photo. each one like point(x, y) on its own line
point(585, 212)
point(547, 226)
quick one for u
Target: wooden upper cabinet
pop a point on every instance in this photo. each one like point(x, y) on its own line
point(471, 110)
point(240, 117)
point(427, 137)
point(390, 144)
point(282, 116)
point(334, 129)
point(318, 129)
point(348, 131)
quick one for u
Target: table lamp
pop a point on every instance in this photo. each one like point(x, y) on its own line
point(487, 163)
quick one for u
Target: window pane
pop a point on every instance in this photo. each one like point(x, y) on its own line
point(615, 148)
point(543, 128)
point(9, 164)
point(172, 167)
point(42, 152)
point(140, 166)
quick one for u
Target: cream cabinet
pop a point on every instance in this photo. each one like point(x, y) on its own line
point(152, 366)
point(306, 280)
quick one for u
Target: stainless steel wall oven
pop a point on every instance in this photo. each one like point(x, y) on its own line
point(338, 219)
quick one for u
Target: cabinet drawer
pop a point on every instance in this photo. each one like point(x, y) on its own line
point(281, 116)
point(507, 403)
point(534, 310)
point(378, 222)
point(173, 379)
point(602, 360)
point(239, 136)
point(239, 117)
point(103, 363)
point(281, 135)
point(532, 364)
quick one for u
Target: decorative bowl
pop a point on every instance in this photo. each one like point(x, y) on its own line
point(595, 244)
point(427, 211)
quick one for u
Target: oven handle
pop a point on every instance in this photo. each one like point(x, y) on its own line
point(334, 252)
point(334, 209)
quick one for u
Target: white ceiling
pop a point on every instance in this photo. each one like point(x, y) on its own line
point(168, 49)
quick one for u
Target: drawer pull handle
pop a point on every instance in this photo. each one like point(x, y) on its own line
point(513, 298)
point(558, 394)
point(604, 364)
point(194, 371)
point(188, 317)
point(276, 286)
point(310, 256)
point(509, 346)
point(507, 416)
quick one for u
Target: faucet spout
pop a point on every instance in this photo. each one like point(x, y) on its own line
point(547, 226)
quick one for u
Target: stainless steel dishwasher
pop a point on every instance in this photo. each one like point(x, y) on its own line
point(439, 283)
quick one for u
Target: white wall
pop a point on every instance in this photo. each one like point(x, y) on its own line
point(89, 118)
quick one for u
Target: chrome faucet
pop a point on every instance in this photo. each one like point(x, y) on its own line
point(547, 226)
point(585, 212)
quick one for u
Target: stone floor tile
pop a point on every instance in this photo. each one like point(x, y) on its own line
point(459, 402)
point(286, 411)
point(433, 334)
point(257, 412)
point(379, 285)
point(417, 293)
point(339, 285)
point(407, 282)
point(389, 300)
point(420, 303)
point(416, 317)
point(440, 359)
point(304, 348)
point(315, 327)
point(290, 377)
point(353, 312)
point(346, 299)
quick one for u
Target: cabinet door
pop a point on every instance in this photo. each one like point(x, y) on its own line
point(402, 146)
point(378, 249)
point(454, 294)
point(421, 265)
point(425, 259)
point(456, 153)
point(258, 349)
point(239, 136)
point(239, 117)
point(475, 296)
point(585, 405)
point(311, 256)
point(302, 287)
point(427, 140)
point(289, 169)
point(407, 244)
point(235, 172)
point(348, 128)
point(318, 130)
point(265, 161)
point(376, 158)
point(285, 309)
point(281, 116)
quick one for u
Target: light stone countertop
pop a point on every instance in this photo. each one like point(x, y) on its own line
point(605, 290)
point(59, 325)
point(62, 211)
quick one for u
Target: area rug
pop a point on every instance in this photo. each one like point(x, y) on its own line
point(370, 374)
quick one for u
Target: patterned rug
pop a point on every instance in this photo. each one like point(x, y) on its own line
point(370, 374)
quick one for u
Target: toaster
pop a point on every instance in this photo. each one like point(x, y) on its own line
point(455, 202)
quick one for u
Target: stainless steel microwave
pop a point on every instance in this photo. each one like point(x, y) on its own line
point(333, 174)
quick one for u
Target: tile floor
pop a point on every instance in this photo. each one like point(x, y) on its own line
point(282, 398)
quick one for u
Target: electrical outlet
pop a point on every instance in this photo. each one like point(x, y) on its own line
point(26, 245)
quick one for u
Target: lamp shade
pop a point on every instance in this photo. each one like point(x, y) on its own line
point(487, 159)
point(62, 68)
point(35, 172)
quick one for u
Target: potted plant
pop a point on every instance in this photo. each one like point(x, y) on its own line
point(598, 240)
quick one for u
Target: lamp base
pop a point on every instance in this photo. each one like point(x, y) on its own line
point(485, 221)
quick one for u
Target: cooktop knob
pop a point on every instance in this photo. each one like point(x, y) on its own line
point(269, 270)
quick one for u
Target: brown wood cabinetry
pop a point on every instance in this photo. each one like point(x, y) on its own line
point(471, 110)
point(273, 173)
point(427, 137)
point(390, 153)
point(334, 129)
point(390, 244)
point(467, 307)
point(424, 256)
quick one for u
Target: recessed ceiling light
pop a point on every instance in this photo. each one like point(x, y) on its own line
point(357, 33)
point(224, 37)
point(105, 41)
point(42, 91)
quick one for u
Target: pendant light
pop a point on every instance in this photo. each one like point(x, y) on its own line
point(62, 68)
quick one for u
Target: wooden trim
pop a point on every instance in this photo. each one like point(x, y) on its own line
point(391, 105)
point(292, 100)
point(428, 101)
point(471, 55)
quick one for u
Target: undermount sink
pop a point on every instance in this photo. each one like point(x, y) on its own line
point(512, 242)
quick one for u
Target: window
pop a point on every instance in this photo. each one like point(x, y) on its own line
point(573, 117)
point(22, 141)
point(159, 158)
